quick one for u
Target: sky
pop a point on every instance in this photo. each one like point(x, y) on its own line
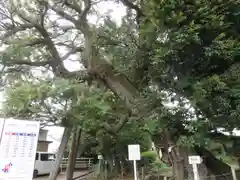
point(116, 11)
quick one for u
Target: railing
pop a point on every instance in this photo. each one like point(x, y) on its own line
point(81, 163)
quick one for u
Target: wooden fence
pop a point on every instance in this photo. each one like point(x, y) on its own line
point(81, 163)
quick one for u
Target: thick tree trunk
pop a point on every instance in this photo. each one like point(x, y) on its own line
point(61, 149)
point(82, 147)
point(117, 166)
point(176, 157)
point(76, 135)
point(119, 84)
point(161, 144)
point(214, 165)
point(157, 150)
point(84, 144)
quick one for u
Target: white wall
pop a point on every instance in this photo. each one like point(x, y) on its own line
point(54, 135)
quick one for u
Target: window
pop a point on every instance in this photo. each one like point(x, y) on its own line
point(51, 157)
point(37, 156)
point(44, 157)
point(47, 157)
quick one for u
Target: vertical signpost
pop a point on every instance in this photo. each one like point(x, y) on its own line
point(18, 149)
point(100, 158)
point(134, 155)
point(194, 161)
point(234, 173)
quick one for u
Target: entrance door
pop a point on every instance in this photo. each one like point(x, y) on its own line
point(45, 163)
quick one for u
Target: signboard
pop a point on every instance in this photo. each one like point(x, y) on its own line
point(134, 155)
point(134, 152)
point(195, 160)
point(100, 156)
point(18, 149)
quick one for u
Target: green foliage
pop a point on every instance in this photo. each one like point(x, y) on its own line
point(68, 103)
point(195, 140)
point(148, 157)
point(159, 165)
point(15, 51)
point(64, 98)
point(149, 154)
point(120, 44)
point(159, 168)
point(202, 40)
point(184, 51)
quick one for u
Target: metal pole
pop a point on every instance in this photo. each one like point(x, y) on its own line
point(135, 169)
point(195, 172)
point(234, 173)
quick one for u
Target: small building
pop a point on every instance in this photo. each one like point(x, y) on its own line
point(43, 143)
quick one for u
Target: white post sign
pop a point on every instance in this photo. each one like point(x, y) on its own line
point(100, 157)
point(18, 149)
point(134, 155)
point(194, 160)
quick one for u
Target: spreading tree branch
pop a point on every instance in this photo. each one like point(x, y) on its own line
point(55, 61)
point(86, 9)
point(25, 62)
point(135, 7)
point(64, 14)
point(74, 5)
point(72, 51)
point(43, 14)
point(117, 127)
point(82, 12)
point(11, 30)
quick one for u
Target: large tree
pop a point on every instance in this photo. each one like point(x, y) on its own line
point(199, 56)
point(155, 40)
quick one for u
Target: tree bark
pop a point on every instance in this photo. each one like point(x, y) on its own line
point(176, 158)
point(216, 166)
point(202, 169)
point(76, 135)
point(61, 149)
point(82, 146)
point(124, 89)
point(85, 143)
point(119, 83)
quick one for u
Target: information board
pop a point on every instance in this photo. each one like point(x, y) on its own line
point(134, 152)
point(194, 159)
point(18, 149)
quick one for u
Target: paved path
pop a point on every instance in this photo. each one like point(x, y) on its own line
point(61, 176)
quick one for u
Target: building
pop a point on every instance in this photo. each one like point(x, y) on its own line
point(43, 143)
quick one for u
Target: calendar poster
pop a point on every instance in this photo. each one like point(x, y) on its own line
point(18, 149)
